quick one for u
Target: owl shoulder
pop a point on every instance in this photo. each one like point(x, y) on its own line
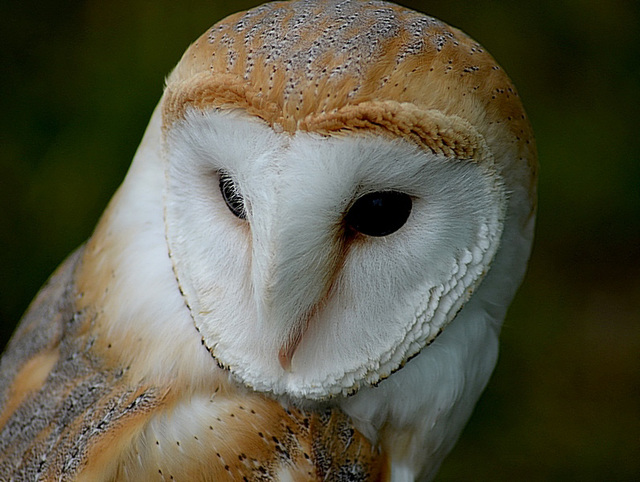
point(58, 403)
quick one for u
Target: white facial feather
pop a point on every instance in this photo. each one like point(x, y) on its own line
point(357, 308)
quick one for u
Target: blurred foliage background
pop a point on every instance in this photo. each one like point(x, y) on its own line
point(80, 78)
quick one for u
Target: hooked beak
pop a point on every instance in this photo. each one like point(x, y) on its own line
point(288, 349)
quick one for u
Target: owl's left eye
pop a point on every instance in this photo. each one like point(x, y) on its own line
point(379, 213)
point(232, 196)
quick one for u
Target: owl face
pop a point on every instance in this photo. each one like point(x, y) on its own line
point(334, 195)
point(315, 264)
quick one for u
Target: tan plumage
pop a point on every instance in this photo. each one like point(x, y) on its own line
point(304, 82)
point(121, 369)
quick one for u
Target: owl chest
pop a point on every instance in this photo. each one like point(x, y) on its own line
point(250, 437)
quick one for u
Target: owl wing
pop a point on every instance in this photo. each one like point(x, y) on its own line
point(57, 403)
point(65, 414)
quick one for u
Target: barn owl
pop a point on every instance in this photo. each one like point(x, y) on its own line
point(304, 272)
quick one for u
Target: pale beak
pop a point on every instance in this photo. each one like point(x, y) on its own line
point(285, 355)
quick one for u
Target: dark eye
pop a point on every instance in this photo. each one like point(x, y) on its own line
point(232, 196)
point(379, 213)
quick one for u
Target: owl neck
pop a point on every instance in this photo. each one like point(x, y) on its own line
point(126, 279)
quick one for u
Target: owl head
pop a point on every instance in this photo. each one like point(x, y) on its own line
point(339, 179)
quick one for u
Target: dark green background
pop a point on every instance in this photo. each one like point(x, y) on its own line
point(78, 82)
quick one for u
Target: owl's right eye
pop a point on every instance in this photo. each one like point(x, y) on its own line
point(232, 196)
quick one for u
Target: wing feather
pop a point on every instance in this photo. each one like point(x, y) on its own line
point(57, 400)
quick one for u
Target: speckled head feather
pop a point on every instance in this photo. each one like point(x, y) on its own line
point(336, 65)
